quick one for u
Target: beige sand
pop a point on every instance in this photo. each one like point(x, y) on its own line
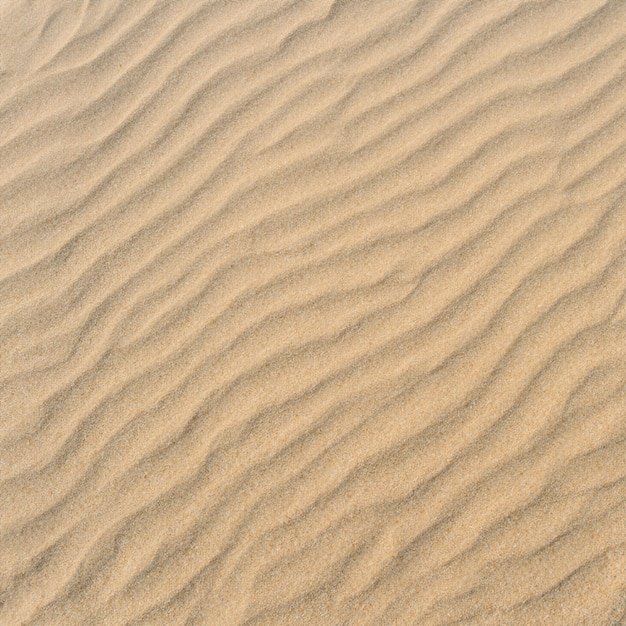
point(312, 312)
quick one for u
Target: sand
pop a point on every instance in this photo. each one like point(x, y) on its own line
point(313, 312)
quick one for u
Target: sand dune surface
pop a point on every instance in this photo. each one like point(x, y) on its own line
point(313, 312)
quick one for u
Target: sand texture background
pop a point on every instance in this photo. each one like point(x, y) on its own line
point(313, 312)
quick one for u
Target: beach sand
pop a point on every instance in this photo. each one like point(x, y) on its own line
point(313, 312)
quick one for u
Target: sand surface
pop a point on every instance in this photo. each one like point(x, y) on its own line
point(313, 312)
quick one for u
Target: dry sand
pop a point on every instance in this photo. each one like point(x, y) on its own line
point(313, 312)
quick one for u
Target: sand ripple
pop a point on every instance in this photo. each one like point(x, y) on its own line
point(313, 312)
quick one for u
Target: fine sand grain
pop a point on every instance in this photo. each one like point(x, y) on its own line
point(313, 312)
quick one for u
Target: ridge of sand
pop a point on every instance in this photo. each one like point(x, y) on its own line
point(313, 312)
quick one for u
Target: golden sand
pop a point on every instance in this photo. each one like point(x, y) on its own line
point(312, 312)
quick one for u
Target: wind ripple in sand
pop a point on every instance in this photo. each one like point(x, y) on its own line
point(313, 312)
